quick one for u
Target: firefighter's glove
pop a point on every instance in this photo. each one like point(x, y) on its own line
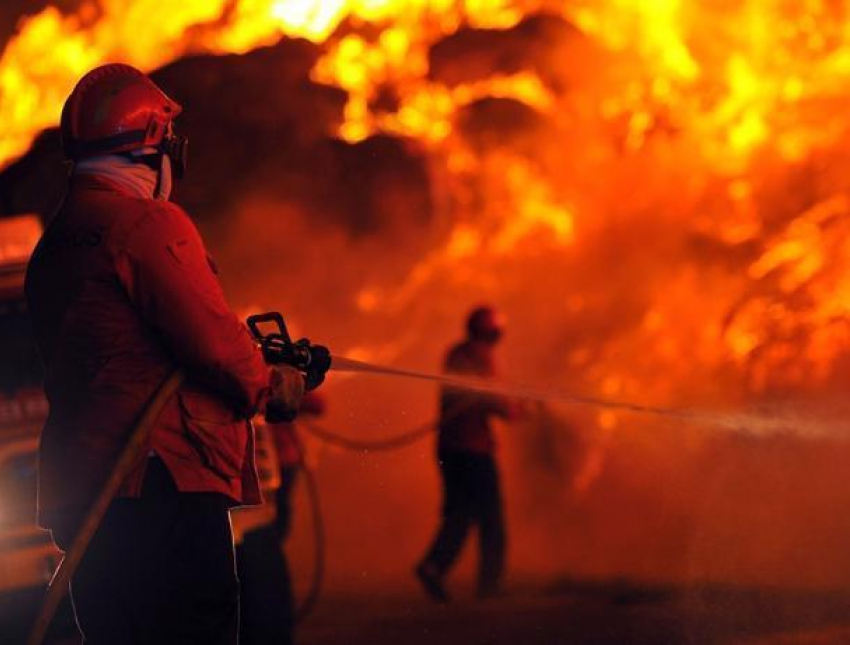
point(287, 389)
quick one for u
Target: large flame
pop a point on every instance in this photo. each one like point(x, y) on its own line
point(720, 95)
point(51, 51)
point(679, 84)
point(649, 198)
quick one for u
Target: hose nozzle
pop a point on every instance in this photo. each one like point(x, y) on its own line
point(313, 361)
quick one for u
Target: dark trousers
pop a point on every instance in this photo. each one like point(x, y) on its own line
point(268, 604)
point(160, 570)
point(471, 495)
point(283, 500)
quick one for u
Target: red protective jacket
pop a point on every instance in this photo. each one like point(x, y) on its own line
point(121, 290)
point(465, 416)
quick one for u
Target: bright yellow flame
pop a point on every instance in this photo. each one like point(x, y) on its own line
point(464, 242)
point(654, 27)
point(729, 76)
point(716, 88)
point(536, 209)
point(51, 51)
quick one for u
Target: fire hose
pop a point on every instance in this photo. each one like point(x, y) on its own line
point(277, 347)
point(127, 459)
point(401, 440)
point(314, 361)
point(393, 442)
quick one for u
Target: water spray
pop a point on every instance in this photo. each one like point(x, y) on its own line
point(743, 421)
point(316, 360)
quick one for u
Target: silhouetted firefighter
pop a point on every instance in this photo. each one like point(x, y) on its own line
point(471, 492)
point(122, 292)
point(268, 602)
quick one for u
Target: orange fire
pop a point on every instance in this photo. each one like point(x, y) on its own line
point(655, 191)
point(679, 108)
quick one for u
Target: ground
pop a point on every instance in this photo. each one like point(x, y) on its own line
point(577, 613)
point(584, 613)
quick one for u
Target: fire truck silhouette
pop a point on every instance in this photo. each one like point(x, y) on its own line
point(27, 556)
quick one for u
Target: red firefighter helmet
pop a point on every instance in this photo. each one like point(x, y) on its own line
point(116, 108)
point(485, 323)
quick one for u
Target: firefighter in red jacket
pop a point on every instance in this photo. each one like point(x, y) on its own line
point(470, 477)
point(121, 291)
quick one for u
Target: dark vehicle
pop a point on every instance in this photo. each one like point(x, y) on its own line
point(27, 555)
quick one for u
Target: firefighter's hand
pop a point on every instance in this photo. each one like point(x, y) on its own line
point(287, 389)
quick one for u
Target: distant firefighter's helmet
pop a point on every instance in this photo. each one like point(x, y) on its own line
point(116, 108)
point(485, 324)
